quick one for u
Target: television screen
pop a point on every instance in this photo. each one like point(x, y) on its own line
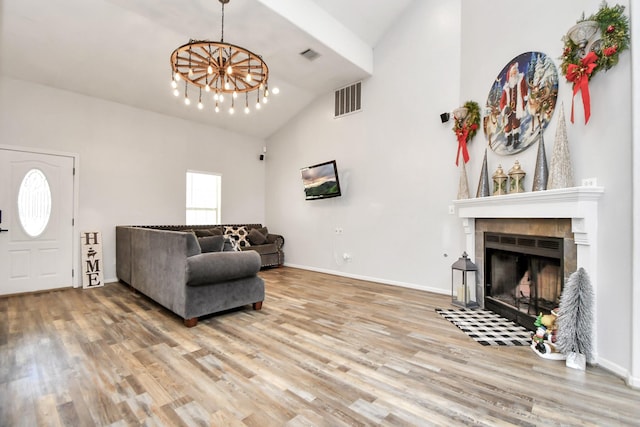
point(321, 181)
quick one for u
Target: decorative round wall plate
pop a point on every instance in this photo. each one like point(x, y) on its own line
point(521, 102)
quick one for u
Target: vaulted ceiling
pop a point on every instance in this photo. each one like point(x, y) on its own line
point(119, 50)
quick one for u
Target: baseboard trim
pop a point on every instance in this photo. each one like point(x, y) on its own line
point(371, 279)
point(618, 370)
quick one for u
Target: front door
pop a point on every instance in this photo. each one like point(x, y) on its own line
point(36, 219)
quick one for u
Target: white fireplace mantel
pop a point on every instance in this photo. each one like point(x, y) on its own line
point(580, 204)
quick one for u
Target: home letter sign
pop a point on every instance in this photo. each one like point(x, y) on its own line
point(91, 244)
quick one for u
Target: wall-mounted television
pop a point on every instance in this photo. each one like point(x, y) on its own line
point(321, 181)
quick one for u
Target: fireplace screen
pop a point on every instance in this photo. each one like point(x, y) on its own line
point(523, 275)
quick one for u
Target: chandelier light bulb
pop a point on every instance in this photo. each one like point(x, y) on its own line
point(176, 92)
point(207, 88)
point(227, 86)
point(231, 110)
point(261, 86)
point(200, 106)
point(235, 94)
point(258, 106)
point(247, 110)
point(190, 72)
point(187, 101)
point(210, 69)
point(217, 109)
point(248, 78)
point(174, 84)
point(229, 70)
point(265, 100)
point(177, 77)
point(215, 96)
point(221, 98)
point(266, 93)
point(275, 91)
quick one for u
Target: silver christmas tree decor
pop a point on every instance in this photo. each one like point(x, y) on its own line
point(463, 186)
point(483, 185)
point(575, 320)
point(561, 172)
point(541, 174)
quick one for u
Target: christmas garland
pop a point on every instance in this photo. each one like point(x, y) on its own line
point(579, 68)
point(465, 128)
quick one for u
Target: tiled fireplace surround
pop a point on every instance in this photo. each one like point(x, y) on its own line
point(568, 213)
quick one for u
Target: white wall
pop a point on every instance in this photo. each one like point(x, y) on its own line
point(601, 148)
point(132, 162)
point(395, 160)
point(635, 321)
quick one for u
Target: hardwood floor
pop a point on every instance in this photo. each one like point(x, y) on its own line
point(323, 351)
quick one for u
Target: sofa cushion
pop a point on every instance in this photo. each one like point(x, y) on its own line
point(257, 237)
point(239, 232)
point(214, 267)
point(268, 248)
point(205, 232)
point(211, 243)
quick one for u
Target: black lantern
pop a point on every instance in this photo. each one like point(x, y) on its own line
point(463, 282)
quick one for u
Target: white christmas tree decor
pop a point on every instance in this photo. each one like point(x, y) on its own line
point(575, 320)
point(560, 172)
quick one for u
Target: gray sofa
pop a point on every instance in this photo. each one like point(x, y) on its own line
point(254, 237)
point(171, 268)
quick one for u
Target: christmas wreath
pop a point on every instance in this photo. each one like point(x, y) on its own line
point(465, 127)
point(579, 66)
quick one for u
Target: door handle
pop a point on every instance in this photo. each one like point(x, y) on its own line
point(3, 229)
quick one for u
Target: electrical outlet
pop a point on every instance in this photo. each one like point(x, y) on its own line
point(338, 230)
point(589, 182)
point(452, 210)
point(346, 256)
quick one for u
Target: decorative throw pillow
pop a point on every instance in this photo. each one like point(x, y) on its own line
point(211, 243)
point(230, 244)
point(239, 232)
point(256, 237)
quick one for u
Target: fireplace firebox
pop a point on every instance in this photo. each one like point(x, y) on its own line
point(523, 275)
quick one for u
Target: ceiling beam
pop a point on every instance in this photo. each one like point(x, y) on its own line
point(315, 21)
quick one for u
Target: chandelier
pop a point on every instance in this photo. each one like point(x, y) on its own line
point(219, 69)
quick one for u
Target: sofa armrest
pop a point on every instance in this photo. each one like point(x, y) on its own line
point(277, 239)
point(214, 267)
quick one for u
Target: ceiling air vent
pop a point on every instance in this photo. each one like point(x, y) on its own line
point(347, 100)
point(310, 54)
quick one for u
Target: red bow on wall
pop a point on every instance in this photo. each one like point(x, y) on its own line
point(462, 135)
point(579, 76)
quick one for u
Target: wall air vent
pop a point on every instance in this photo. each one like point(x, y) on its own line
point(310, 54)
point(348, 100)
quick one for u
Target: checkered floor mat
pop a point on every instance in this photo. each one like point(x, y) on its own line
point(487, 327)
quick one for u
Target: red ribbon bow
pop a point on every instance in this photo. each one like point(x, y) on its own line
point(462, 135)
point(579, 76)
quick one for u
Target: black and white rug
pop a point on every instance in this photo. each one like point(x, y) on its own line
point(487, 327)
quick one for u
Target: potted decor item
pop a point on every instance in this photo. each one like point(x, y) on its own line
point(575, 320)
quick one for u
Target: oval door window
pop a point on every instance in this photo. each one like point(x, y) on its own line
point(34, 202)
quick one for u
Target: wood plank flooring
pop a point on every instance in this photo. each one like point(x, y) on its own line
point(323, 351)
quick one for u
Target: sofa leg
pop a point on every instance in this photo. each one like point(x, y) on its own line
point(257, 305)
point(190, 323)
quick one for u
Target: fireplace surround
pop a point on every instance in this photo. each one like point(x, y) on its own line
point(568, 214)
